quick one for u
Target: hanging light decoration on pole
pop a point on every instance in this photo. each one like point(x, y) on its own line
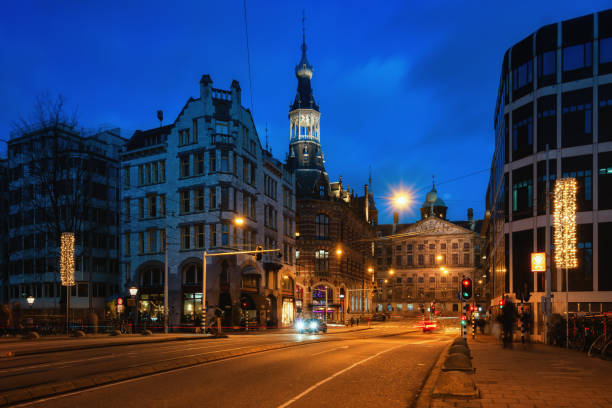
point(564, 223)
point(67, 259)
point(67, 269)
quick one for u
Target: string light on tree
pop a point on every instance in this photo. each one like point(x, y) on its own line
point(67, 259)
point(564, 223)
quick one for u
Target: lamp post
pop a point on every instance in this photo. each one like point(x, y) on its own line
point(133, 293)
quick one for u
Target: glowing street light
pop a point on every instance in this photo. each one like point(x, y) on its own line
point(30, 299)
point(371, 270)
point(239, 221)
point(339, 251)
point(391, 271)
point(133, 291)
point(401, 200)
point(439, 257)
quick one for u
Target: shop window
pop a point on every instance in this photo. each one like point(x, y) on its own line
point(577, 119)
point(547, 122)
point(580, 167)
point(605, 255)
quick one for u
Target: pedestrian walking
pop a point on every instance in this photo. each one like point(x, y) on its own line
point(352, 321)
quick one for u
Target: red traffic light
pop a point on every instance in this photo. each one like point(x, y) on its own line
point(463, 317)
point(501, 303)
point(465, 282)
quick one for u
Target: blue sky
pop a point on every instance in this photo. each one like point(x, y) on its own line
point(406, 87)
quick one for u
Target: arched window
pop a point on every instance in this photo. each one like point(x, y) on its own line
point(151, 276)
point(322, 191)
point(224, 274)
point(192, 274)
point(322, 226)
point(321, 261)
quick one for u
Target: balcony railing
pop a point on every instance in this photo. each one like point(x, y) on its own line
point(221, 138)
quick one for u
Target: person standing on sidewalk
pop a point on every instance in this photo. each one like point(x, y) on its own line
point(508, 319)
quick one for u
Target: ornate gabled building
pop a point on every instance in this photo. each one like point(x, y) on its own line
point(332, 224)
point(419, 265)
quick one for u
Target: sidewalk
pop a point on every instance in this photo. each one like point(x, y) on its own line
point(535, 376)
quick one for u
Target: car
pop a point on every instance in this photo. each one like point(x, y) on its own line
point(429, 325)
point(310, 326)
point(379, 317)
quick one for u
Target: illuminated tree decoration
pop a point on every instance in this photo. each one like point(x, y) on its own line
point(67, 259)
point(564, 222)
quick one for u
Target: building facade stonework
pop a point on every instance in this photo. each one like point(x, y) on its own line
point(187, 185)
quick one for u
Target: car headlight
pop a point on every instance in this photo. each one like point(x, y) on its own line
point(299, 325)
point(314, 325)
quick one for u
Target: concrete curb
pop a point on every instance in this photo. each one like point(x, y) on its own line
point(103, 345)
point(47, 390)
point(426, 394)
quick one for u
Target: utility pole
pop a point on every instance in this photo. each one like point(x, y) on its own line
point(548, 277)
point(166, 272)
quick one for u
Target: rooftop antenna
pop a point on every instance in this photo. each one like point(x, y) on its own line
point(266, 135)
point(370, 177)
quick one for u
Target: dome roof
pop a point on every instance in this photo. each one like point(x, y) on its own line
point(433, 197)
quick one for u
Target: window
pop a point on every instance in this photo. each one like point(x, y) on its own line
point(522, 192)
point(455, 259)
point(152, 205)
point(466, 259)
point(221, 127)
point(184, 166)
point(432, 259)
point(126, 176)
point(185, 206)
point(605, 181)
point(421, 260)
point(522, 131)
point(421, 247)
point(162, 204)
point(322, 226)
point(213, 236)
point(321, 191)
point(455, 245)
point(198, 159)
point(552, 175)
point(577, 61)
point(581, 168)
point(154, 173)
point(126, 208)
point(141, 208)
point(321, 261)
point(212, 198)
point(152, 238)
point(192, 275)
point(398, 260)
point(195, 130)
point(409, 261)
point(605, 113)
point(522, 75)
point(409, 247)
point(547, 68)
point(127, 245)
point(225, 198)
point(225, 161)
point(547, 122)
point(421, 279)
point(443, 246)
point(577, 119)
point(162, 171)
point(141, 243)
point(225, 234)
point(212, 162)
point(455, 279)
point(605, 55)
point(185, 237)
point(198, 199)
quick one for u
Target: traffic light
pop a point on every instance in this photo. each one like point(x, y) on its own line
point(466, 288)
point(501, 303)
point(463, 320)
point(433, 309)
point(258, 256)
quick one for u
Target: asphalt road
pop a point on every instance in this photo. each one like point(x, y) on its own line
point(374, 368)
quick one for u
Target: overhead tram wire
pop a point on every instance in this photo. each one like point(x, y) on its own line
point(246, 32)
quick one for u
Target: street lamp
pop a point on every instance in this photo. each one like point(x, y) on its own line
point(239, 221)
point(30, 299)
point(133, 291)
point(339, 251)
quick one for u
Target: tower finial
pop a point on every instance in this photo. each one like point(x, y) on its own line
point(303, 32)
point(266, 135)
point(433, 181)
point(370, 177)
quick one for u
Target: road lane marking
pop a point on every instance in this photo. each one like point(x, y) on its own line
point(326, 351)
point(62, 363)
point(331, 377)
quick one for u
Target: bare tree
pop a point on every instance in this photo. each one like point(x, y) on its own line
point(56, 175)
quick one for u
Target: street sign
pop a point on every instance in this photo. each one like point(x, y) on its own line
point(538, 262)
point(119, 308)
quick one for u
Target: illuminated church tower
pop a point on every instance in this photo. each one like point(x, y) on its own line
point(305, 153)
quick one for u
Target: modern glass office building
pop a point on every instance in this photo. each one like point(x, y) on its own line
point(555, 90)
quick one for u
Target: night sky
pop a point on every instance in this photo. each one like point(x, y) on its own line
point(405, 87)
